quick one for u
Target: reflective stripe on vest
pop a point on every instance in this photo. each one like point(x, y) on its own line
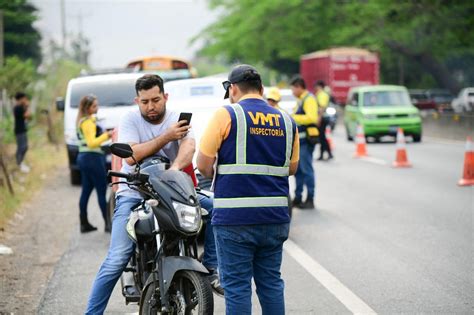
point(241, 167)
point(254, 169)
point(251, 202)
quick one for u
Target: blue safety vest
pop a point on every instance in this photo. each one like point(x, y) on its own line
point(251, 184)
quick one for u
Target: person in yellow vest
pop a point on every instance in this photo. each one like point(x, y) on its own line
point(274, 97)
point(91, 160)
point(255, 148)
point(306, 117)
point(322, 97)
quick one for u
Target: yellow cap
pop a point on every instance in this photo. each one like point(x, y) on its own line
point(274, 94)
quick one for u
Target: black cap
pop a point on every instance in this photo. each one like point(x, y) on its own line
point(242, 73)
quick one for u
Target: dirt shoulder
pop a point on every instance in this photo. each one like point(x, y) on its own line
point(38, 234)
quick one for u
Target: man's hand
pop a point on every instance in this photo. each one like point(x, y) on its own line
point(177, 131)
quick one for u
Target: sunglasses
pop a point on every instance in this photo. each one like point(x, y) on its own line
point(226, 85)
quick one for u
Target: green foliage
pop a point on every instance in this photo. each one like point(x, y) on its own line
point(420, 35)
point(53, 85)
point(16, 75)
point(21, 38)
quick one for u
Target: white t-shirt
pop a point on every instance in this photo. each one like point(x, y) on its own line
point(133, 128)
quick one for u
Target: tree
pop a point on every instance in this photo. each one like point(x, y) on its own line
point(413, 38)
point(21, 38)
point(16, 75)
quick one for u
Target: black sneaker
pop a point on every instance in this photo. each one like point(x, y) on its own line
point(215, 282)
point(296, 203)
point(308, 204)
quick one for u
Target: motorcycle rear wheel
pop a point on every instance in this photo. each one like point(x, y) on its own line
point(189, 293)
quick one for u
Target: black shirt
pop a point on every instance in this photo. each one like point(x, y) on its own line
point(20, 123)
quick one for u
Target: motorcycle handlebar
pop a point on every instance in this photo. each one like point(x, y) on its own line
point(130, 177)
point(118, 174)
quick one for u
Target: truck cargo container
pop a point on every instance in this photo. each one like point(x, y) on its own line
point(340, 68)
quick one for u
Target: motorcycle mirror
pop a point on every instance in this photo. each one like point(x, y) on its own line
point(122, 150)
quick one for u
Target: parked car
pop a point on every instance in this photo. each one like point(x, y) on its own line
point(288, 103)
point(465, 101)
point(421, 100)
point(381, 110)
point(442, 99)
point(115, 93)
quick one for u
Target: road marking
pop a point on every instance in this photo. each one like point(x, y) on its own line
point(351, 301)
point(374, 160)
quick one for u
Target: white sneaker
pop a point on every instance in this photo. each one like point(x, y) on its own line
point(24, 168)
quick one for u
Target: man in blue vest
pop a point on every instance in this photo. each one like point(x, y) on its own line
point(306, 116)
point(256, 147)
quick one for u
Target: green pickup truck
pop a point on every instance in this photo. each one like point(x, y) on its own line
point(381, 110)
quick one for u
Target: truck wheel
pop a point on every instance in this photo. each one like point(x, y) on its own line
point(416, 138)
point(75, 177)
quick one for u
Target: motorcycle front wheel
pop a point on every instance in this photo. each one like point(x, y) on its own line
point(189, 293)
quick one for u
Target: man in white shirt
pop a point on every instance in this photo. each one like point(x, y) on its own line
point(151, 130)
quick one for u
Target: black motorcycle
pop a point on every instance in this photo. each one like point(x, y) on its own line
point(164, 275)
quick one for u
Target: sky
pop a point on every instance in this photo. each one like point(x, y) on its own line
point(121, 30)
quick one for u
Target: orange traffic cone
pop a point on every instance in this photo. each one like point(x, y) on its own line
point(329, 138)
point(468, 174)
point(361, 151)
point(401, 160)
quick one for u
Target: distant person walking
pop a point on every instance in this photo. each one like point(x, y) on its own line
point(91, 160)
point(306, 117)
point(21, 113)
point(322, 98)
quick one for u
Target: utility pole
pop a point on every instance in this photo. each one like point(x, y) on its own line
point(63, 26)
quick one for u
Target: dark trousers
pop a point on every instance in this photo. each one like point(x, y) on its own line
point(93, 175)
point(322, 138)
point(21, 147)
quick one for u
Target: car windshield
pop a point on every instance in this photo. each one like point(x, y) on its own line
point(441, 97)
point(109, 93)
point(419, 96)
point(386, 98)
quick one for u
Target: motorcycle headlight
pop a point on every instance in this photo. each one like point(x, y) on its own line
point(189, 217)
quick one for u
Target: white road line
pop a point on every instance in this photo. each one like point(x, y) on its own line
point(374, 160)
point(351, 301)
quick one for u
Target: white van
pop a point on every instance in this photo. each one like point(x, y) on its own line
point(115, 93)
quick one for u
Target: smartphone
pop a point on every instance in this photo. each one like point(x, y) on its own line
point(185, 116)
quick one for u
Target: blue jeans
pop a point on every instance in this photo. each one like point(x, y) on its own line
point(246, 251)
point(209, 259)
point(121, 249)
point(93, 175)
point(305, 174)
point(21, 147)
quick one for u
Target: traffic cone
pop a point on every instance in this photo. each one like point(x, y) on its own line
point(329, 138)
point(468, 174)
point(361, 150)
point(401, 160)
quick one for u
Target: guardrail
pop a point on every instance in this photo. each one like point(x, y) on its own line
point(448, 125)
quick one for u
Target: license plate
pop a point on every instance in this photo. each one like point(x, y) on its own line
point(393, 129)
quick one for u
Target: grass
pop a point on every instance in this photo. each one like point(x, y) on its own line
point(43, 158)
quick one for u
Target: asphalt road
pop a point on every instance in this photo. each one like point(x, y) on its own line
point(381, 240)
